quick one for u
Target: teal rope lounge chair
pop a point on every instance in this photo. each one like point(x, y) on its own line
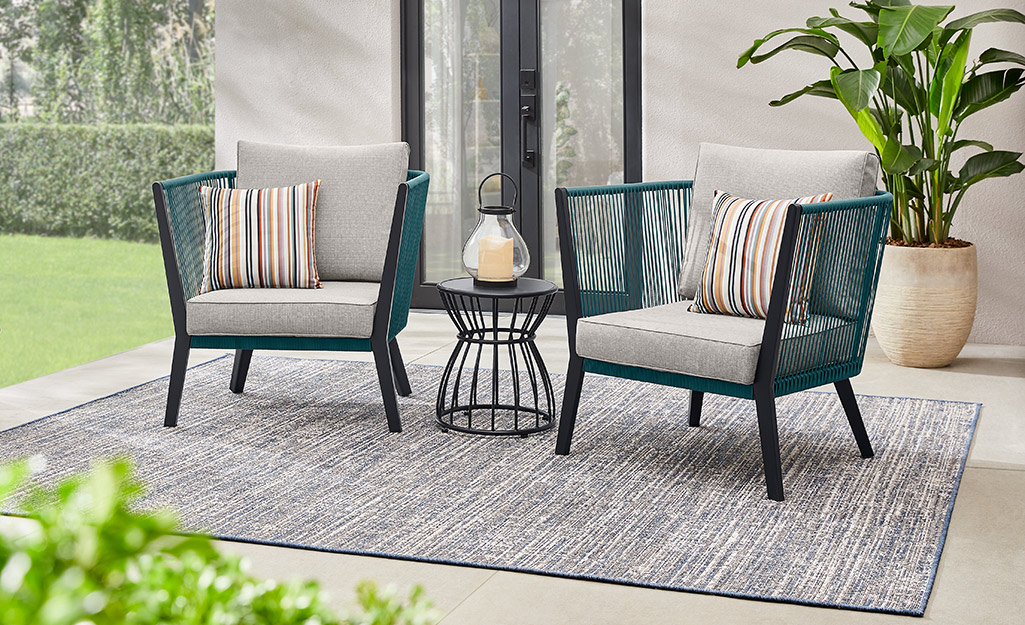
point(632, 256)
point(345, 315)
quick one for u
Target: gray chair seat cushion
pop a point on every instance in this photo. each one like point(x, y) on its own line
point(759, 174)
point(669, 338)
point(340, 309)
point(355, 203)
point(719, 347)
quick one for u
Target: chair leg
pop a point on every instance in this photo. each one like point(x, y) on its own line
point(240, 370)
point(765, 403)
point(695, 408)
point(850, 406)
point(570, 403)
point(179, 363)
point(382, 359)
point(399, 369)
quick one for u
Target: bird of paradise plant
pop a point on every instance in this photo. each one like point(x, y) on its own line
point(910, 104)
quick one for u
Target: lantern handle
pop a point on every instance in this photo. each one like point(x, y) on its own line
point(516, 190)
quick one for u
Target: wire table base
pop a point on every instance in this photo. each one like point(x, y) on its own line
point(476, 396)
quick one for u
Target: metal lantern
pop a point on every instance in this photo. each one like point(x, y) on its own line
point(495, 253)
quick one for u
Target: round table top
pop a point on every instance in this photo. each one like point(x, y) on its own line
point(525, 287)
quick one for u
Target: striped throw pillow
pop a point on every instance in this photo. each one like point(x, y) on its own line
point(260, 238)
point(742, 252)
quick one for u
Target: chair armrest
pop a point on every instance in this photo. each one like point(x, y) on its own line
point(837, 253)
point(182, 227)
point(621, 245)
point(408, 249)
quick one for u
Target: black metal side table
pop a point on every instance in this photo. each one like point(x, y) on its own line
point(514, 401)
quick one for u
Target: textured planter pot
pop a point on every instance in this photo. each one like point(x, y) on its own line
point(925, 304)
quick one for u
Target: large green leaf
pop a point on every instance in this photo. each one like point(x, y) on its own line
point(758, 43)
point(902, 88)
point(821, 88)
point(968, 143)
point(866, 121)
point(812, 44)
point(995, 164)
point(865, 32)
point(904, 28)
point(984, 90)
point(897, 158)
point(912, 188)
point(871, 10)
point(925, 164)
point(856, 87)
point(991, 15)
point(890, 124)
point(946, 85)
point(995, 55)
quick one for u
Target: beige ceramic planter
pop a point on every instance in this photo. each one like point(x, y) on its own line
point(925, 304)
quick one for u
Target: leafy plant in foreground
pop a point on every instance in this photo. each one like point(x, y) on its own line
point(96, 561)
point(911, 102)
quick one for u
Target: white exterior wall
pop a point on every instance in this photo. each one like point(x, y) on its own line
point(310, 72)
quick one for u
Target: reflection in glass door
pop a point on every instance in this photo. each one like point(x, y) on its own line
point(462, 122)
point(582, 113)
point(559, 121)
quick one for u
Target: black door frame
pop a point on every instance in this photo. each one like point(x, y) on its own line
point(519, 18)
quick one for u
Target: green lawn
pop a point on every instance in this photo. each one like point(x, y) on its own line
point(64, 302)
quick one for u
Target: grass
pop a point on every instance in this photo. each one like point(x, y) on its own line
point(64, 302)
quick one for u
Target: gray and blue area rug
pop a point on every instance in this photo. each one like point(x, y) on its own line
point(304, 458)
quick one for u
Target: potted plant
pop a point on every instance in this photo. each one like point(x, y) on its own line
point(910, 104)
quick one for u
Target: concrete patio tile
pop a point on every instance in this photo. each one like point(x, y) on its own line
point(12, 417)
point(990, 510)
point(993, 375)
point(338, 574)
point(65, 389)
point(979, 581)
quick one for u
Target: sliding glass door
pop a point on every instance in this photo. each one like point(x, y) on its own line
point(533, 88)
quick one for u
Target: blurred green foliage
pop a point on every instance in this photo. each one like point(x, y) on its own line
point(95, 560)
point(107, 61)
point(93, 180)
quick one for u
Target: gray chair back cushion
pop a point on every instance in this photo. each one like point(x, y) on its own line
point(759, 174)
point(355, 204)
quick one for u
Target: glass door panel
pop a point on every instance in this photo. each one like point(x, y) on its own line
point(532, 88)
point(462, 123)
point(582, 106)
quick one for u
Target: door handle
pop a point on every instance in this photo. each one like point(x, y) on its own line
point(527, 113)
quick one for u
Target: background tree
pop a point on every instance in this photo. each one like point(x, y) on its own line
point(59, 55)
point(15, 28)
point(184, 64)
point(124, 34)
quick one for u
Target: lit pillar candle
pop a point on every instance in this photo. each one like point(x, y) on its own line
point(495, 259)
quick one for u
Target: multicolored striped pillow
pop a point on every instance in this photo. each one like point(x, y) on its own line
point(742, 253)
point(260, 238)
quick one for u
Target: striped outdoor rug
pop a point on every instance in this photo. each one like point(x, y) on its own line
point(304, 458)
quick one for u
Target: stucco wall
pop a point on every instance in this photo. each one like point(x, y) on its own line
point(693, 92)
point(309, 72)
point(323, 71)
